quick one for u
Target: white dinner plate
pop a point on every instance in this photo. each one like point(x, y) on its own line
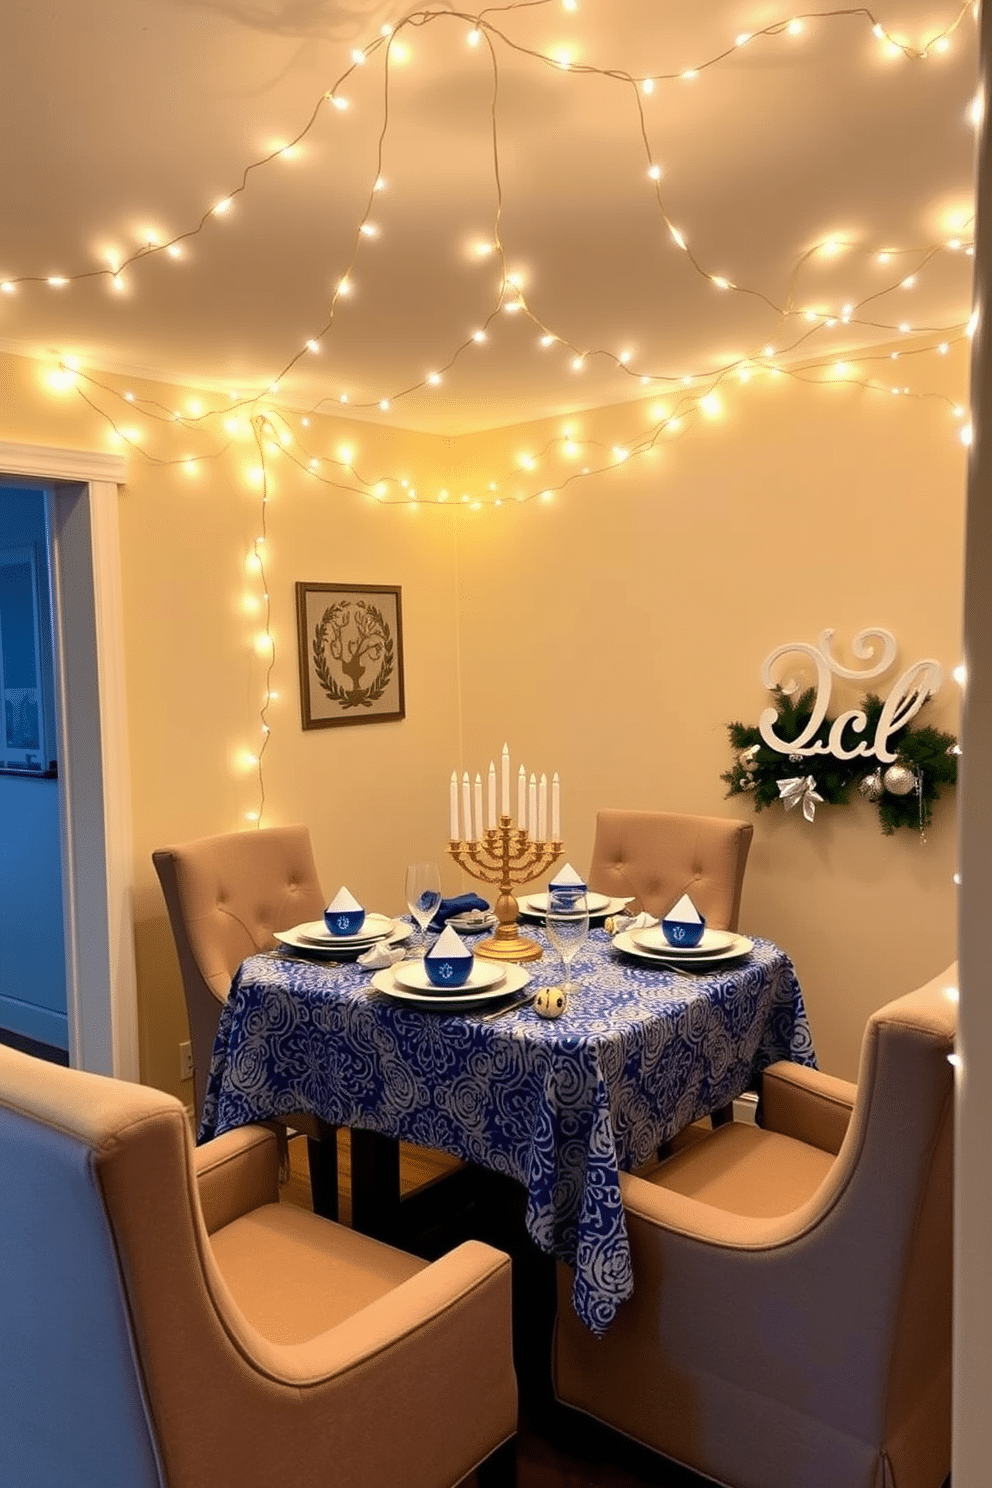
point(464, 926)
point(741, 947)
point(457, 1001)
point(538, 903)
point(610, 906)
point(653, 939)
point(374, 927)
point(413, 976)
point(340, 948)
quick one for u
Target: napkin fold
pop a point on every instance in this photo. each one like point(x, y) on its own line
point(567, 878)
point(344, 902)
point(460, 904)
point(641, 921)
point(685, 911)
point(382, 954)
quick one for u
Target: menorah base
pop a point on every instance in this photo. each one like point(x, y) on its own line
point(512, 947)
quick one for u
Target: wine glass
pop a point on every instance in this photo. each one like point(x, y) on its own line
point(423, 895)
point(566, 922)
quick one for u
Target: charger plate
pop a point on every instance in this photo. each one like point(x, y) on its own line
point(741, 947)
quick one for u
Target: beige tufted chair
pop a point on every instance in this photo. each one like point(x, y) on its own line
point(657, 856)
point(225, 896)
point(168, 1324)
point(790, 1325)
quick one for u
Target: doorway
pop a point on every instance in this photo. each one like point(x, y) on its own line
point(32, 941)
point(82, 492)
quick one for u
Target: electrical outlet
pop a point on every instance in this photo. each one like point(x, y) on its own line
point(186, 1061)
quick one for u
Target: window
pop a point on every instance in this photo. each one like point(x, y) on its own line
point(26, 745)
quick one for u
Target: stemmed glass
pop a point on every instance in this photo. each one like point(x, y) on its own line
point(566, 921)
point(423, 895)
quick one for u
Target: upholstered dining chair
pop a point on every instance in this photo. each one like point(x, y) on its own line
point(657, 856)
point(168, 1324)
point(791, 1315)
point(225, 896)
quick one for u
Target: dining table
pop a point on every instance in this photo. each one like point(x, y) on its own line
point(561, 1105)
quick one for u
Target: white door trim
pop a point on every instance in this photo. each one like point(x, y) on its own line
point(94, 768)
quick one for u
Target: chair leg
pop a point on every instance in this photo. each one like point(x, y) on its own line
point(500, 1468)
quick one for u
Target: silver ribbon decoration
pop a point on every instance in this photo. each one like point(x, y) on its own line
point(800, 788)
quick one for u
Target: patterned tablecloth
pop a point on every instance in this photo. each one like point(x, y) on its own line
point(561, 1106)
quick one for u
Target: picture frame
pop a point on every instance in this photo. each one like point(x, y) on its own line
point(351, 654)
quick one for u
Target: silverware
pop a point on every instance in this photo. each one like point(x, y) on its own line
point(510, 1007)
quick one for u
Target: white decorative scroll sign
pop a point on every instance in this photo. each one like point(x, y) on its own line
point(875, 647)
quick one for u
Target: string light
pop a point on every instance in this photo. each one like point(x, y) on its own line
point(274, 432)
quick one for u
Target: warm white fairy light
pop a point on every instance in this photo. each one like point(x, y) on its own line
point(548, 338)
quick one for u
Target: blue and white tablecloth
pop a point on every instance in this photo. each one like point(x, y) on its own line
point(560, 1106)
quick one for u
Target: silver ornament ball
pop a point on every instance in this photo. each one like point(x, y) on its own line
point(871, 787)
point(899, 780)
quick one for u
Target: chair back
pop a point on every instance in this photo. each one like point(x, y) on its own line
point(880, 1275)
point(657, 856)
point(73, 1408)
point(225, 897)
point(809, 1345)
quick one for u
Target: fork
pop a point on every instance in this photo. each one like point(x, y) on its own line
point(511, 1007)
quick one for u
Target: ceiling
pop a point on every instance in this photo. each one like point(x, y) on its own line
point(123, 123)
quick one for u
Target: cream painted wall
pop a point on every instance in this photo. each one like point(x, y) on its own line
point(634, 611)
point(195, 684)
point(610, 634)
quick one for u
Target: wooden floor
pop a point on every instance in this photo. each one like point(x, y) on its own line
point(555, 1449)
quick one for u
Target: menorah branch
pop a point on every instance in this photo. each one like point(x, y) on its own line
point(507, 857)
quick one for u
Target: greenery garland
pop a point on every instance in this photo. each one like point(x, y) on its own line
point(931, 756)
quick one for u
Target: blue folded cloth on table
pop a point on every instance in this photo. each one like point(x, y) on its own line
point(461, 904)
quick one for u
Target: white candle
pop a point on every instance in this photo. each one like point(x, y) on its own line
point(542, 809)
point(454, 807)
point(466, 805)
point(532, 806)
point(478, 809)
point(504, 796)
point(522, 797)
point(555, 809)
point(492, 796)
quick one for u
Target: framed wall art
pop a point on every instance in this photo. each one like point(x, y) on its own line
point(351, 654)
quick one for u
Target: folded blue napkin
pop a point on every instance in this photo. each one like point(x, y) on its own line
point(459, 905)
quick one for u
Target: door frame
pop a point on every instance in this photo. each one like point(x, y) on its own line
point(82, 495)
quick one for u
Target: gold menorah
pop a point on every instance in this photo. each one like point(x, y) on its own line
point(505, 855)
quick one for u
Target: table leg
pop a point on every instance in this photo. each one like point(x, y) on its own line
point(322, 1153)
point(375, 1184)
